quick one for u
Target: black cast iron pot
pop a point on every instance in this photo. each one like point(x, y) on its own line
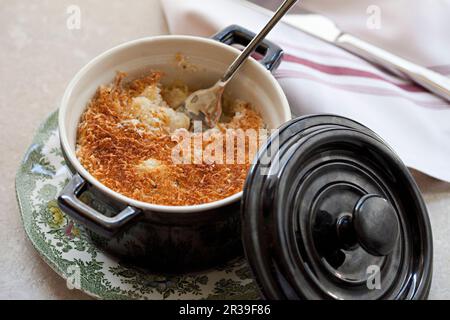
point(328, 210)
point(166, 238)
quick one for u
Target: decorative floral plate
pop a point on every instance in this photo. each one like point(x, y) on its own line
point(66, 247)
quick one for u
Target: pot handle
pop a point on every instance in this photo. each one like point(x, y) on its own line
point(234, 34)
point(94, 220)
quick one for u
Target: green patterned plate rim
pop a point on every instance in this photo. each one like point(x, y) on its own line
point(68, 250)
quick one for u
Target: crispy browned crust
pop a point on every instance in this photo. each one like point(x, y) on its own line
point(111, 152)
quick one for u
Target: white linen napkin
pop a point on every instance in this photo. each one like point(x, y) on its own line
point(320, 78)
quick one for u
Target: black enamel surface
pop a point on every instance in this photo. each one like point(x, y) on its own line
point(298, 232)
point(237, 35)
point(376, 225)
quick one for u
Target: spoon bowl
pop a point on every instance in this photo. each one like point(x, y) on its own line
point(206, 104)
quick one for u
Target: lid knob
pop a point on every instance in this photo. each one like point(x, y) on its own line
point(376, 225)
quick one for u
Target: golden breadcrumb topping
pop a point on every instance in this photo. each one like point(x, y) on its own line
point(126, 140)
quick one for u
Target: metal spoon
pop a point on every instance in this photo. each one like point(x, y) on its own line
point(206, 104)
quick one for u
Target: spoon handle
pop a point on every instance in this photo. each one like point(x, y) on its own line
point(234, 67)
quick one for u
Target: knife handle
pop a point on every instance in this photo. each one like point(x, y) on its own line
point(434, 82)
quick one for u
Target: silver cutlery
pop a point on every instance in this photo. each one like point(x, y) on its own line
point(325, 29)
point(206, 104)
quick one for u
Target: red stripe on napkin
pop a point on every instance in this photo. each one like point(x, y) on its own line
point(361, 89)
point(345, 71)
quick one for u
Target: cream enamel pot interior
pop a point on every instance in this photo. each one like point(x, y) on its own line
point(210, 57)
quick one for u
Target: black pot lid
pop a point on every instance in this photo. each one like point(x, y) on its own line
point(329, 211)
